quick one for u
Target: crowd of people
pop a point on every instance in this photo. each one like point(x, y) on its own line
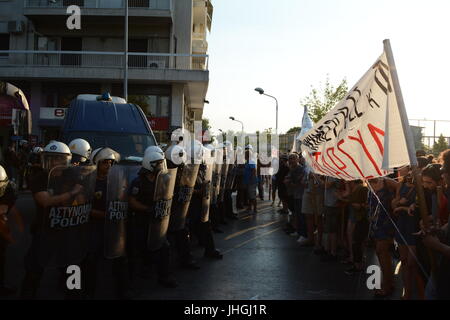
point(340, 219)
point(81, 209)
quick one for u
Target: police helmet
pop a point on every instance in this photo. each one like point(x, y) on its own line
point(101, 154)
point(154, 160)
point(56, 154)
point(81, 150)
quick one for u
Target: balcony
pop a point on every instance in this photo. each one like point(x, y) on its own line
point(203, 12)
point(37, 9)
point(91, 65)
point(199, 46)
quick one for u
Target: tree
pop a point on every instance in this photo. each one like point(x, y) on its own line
point(294, 130)
point(205, 124)
point(320, 101)
point(440, 145)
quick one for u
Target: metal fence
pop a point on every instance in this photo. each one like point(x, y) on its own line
point(432, 130)
point(92, 59)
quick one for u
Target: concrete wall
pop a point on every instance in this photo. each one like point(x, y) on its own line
point(183, 25)
point(177, 106)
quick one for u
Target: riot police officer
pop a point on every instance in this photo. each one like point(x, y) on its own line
point(103, 159)
point(54, 155)
point(81, 150)
point(7, 208)
point(149, 197)
point(177, 157)
point(198, 215)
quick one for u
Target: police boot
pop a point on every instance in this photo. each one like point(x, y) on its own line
point(210, 248)
point(165, 277)
point(184, 250)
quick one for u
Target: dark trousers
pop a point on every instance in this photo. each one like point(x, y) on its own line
point(214, 215)
point(181, 242)
point(300, 218)
point(360, 234)
point(33, 271)
point(137, 249)
point(202, 230)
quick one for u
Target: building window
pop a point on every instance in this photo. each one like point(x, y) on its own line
point(152, 105)
point(4, 43)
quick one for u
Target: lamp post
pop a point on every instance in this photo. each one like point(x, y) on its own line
point(242, 124)
point(125, 65)
point(261, 92)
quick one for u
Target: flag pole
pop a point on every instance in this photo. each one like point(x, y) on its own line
point(409, 138)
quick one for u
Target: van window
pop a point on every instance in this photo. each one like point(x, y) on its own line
point(127, 145)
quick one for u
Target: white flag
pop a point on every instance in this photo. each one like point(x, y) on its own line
point(307, 125)
point(362, 137)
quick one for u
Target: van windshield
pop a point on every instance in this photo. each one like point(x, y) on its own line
point(127, 145)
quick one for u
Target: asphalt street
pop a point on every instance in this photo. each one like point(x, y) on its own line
point(261, 262)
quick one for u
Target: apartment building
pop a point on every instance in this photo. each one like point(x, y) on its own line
point(167, 61)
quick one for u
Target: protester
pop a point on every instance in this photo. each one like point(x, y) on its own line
point(309, 208)
point(294, 182)
point(408, 226)
point(250, 178)
point(331, 218)
point(282, 190)
point(382, 231)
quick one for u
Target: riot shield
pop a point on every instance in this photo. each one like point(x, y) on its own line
point(159, 221)
point(64, 235)
point(183, 195)
point(119, 178)
point(223, 180)
point(215, 182)
point(206, 191)
point(231, 176)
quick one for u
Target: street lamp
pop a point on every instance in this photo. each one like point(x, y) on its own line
point(125, 66)
point(261, 92)
point(242, 124)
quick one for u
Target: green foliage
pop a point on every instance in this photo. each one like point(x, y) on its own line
point(205, 124)
point(294, 130)
point(440, 145)
point(320, 101)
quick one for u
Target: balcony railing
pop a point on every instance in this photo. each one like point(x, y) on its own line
point(103, 4)
point(93, 59)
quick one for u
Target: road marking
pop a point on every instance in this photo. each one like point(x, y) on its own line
point(245, 242)
point(234, 235)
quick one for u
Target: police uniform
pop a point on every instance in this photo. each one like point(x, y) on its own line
point(143, 190)
point(96, 247)
point(180, 238)
point(202, 230)
point(33, 270)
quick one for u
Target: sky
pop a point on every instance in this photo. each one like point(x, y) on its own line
point(287, 47)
